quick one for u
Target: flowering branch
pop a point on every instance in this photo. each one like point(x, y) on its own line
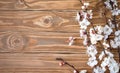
point(94, 26)
point(99, 34)
point(114, 21)
point(66, 63)
point(96, 36)
point(99, 41)
point(114, 7)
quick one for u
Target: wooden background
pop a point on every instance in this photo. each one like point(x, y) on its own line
point(32, 37)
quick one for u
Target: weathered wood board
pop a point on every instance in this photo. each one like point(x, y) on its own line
point(32, 37)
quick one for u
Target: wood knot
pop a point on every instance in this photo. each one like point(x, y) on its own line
point(21, 4)
point(45, 21)
point(15, 41)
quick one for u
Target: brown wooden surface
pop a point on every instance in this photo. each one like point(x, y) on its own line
point(32, 37)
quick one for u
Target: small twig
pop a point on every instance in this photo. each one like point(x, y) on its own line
point(66, 63)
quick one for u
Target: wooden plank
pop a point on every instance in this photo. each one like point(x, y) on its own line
point(41, 61)
point(25, 42)
point(46, 71)
point(39, 5)
point(41, 71)
point(43, 21)
point(44, 4)
point(43, 57)
point(17, 60)
point(24, 62)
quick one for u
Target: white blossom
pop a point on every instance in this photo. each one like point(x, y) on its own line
point(98, 70)
point(91, 50)
point(83, 71)
point(83, 33)
point(113, 8)
point(99, 29)
point(106, 45)
point(86, 4)
point(116, 42)
point(78, 16)
point(91, 31)
point(107, 31)
point(113, 44)
point(117, 33)
point(104, 63)
point(101, 55)
point(89, 14)
point(99, 37)
point(115, 12)
point(113, 66)
point(93, 40)
point(111, 24)
point(85, 42)
point(92, 62)
point(71, 41)
point(117, 25)
point(108, 5)
point(95, 37)
point(74, 71)
point(82, 17)
point(110, 63)
point(84, 23)
point(83, 7)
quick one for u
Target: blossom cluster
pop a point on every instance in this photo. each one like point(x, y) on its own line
point(83, 18)
point(108, 62)
point(91, 51)
point(97, 34)
point(113, 6)
point(116, 42)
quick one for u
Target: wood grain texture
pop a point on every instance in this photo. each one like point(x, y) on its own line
point(44, 4)
point(40, 4)
point(32, 37)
